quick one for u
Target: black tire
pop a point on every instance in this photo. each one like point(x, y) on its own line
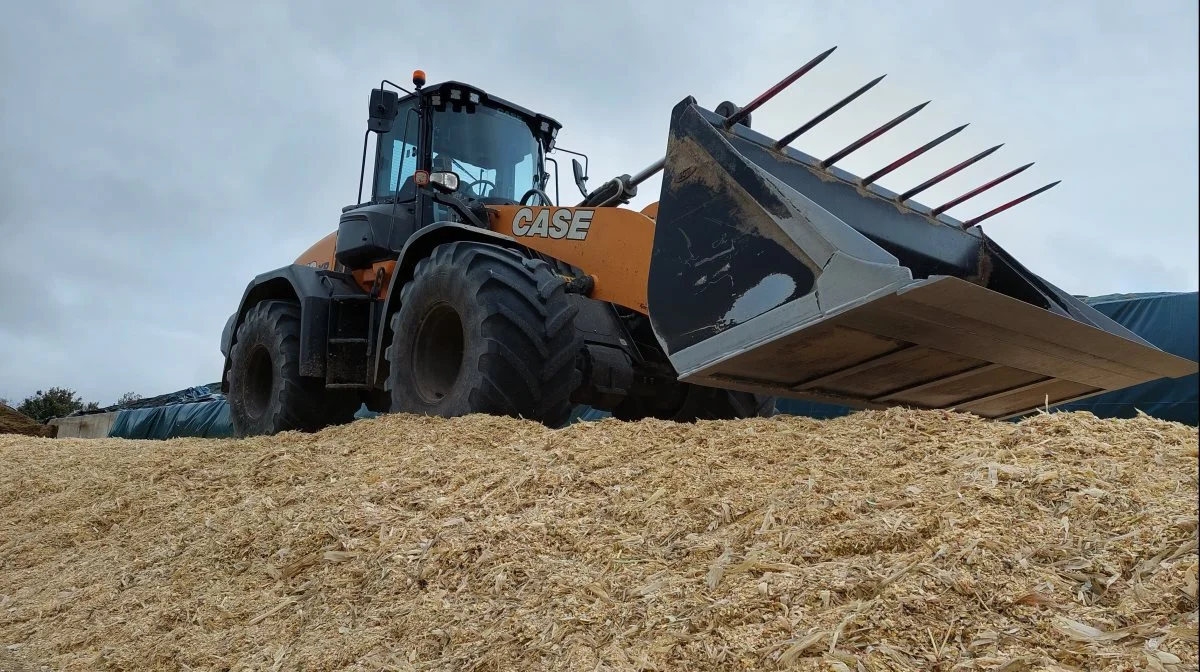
point(266, 392)
point(483, 329)
point(690, 403)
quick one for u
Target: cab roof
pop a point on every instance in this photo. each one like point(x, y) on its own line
point(543, 126)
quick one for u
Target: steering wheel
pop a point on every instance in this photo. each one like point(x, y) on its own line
point(471, 186)
point(540, 194)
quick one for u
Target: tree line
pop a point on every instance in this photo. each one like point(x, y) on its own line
point(58, 402)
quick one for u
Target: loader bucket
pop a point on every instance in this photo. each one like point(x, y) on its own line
point(774, 272)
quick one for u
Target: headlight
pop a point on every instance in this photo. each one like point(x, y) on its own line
point(446, 181)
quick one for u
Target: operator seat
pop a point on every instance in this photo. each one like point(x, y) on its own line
point(443, 163)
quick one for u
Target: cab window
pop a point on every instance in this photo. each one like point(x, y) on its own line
point(396, 153)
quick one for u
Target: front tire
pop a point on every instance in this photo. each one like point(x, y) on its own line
point(482, 329)
point(267, 394)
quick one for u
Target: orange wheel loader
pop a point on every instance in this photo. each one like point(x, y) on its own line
point(459, 286)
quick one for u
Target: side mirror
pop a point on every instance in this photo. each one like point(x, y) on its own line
point(383, 109)
point(580, 178)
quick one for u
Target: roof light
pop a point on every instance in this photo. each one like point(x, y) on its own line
point(455, 94)
point(545, 127)
point(473, 97)
point(437, 99)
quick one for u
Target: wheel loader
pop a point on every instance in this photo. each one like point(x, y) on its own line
point(460, 286)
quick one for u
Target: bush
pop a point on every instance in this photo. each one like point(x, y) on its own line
point(54, 403)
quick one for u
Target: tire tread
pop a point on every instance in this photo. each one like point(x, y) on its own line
point(527, 362)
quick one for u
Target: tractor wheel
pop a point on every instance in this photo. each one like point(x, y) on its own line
point(266, 392)
point(690, 403)
point(482, 329)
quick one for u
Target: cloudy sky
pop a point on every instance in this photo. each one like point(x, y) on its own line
point(157, 155)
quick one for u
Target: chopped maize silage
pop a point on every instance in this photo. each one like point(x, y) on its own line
point(13, 422)
point(886, 540)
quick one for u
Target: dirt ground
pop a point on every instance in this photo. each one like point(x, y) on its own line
point(881, 541)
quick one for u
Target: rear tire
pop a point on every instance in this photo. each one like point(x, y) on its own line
point(690, 403)
point(267, 394)
point(482, 329)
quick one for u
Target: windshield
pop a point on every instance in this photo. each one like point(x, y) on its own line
point(493, 152)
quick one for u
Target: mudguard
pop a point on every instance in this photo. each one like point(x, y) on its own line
point(417, 247)
point(312, 288)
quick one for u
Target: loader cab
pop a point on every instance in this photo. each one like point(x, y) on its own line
point(495, 150)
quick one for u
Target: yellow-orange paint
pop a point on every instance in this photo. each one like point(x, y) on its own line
point(366, 277)
point(320, 255)
point(612, 245)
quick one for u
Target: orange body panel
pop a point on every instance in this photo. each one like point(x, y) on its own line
point(366, 277)
point(321, 256)
point(612, 245)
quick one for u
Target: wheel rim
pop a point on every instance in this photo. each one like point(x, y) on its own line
point(259, 382)
point(438, 354)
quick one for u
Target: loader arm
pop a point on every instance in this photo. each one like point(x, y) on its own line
point(611, 245)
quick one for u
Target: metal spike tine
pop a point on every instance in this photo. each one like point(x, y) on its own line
point(857, 144)
point(977, 190)
point(787, 139)
point(911, 155)
point(972, 222)
point(774, 90)
point(947, 173)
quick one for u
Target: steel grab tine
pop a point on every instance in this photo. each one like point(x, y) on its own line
point(995, 211)
point(774, 90)
point(787, 139)
point(857, 144)
point(977, 190)
point(911, 155)
point(946, 173)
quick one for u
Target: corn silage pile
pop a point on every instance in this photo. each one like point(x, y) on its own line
point(13, 422)
point(886, 540)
